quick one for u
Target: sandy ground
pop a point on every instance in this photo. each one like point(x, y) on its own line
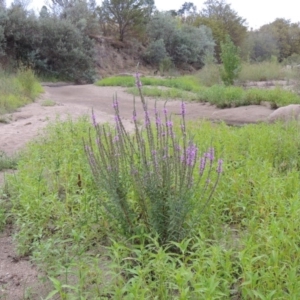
point(18, 277)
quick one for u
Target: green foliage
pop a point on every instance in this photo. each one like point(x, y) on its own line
point(190, 88)
point(263, 71)
point(184, 44)
point(280, 38)
point(156, 52)
point(170, 93)
point(231, 96)
point(261, 46)
point(210, 74)
point(65, 51)
point(186, 83)
point(126, 15)
point(231, 61)
point(165, 65)
point(8, 162)
point(18, 90)
point(222, 20)
point(51, 45)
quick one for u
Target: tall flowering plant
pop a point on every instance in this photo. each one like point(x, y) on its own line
point(151, 177)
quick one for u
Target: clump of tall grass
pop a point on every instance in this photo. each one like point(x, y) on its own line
point(186, 83)
point(209, 75)
point(150, 177)
point(17, 89)
point(263, 71)
point(169, 93)
point(8, 162)
point(233, 96)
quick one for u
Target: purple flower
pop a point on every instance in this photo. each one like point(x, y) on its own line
point(117, 119)
point(191, 154)
point(115, 103)
point(220, 166)
point(134, 116)
point(202, 164)
point(116, 138)
point(158, 120)
point(137, 80)
point(177, 148)
point(169, 124)
point(165, 111)
point(182, 108)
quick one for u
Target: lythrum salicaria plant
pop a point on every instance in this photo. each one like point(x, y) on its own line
point(150, 178)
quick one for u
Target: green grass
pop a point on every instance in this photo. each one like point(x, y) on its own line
point(246, 245)
point(263, 71)
point(185, 83)
point(189, 88)
point(8, 162)
point(157, 92)
point(18, 89)
point(48, 102)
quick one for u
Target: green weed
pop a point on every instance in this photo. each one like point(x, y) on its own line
point(185, 83)
point(48, 102)
point(17, 90)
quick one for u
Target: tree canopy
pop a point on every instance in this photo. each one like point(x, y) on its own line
point(223, 21)
point(126, 14)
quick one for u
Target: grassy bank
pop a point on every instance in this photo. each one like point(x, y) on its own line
point(189, 88)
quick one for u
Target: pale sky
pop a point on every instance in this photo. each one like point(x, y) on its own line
point(256, 12)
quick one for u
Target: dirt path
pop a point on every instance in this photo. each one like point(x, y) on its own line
point(18, 277)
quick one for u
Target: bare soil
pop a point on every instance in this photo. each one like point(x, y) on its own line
point(18, 276)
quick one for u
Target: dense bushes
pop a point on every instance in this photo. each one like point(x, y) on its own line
point(182, 44)
point(53, 44)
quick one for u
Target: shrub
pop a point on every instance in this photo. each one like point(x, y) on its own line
point(156, 52)
point(151, 177)
point(185, 44)
point(231, 61)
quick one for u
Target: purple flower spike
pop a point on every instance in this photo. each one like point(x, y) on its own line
point(147, 118)
point(165, 111)
point(202, 164)
point(169, 124)
point(191, 154)
point(183, 109)
point(212, 154)
point(220, 166)
point(94, 119)
point(115, 103)
point(138, 80)
point(158, 120)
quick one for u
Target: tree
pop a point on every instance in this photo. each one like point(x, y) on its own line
point(223, 21)
point(262, 46)
point(231, 61)
point(126, 14)
point(286, 35)
point(187, 12)
point(183, 44)
point(81, 13)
